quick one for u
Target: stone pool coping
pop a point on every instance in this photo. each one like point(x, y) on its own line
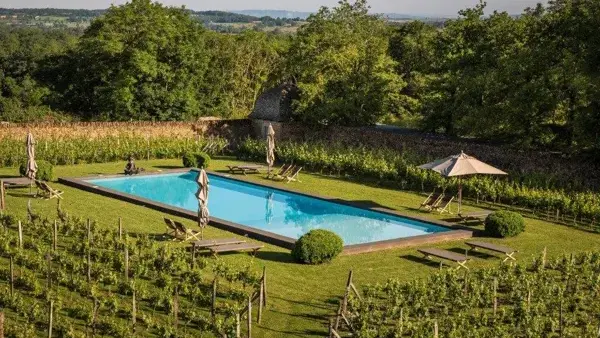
point(456, 232)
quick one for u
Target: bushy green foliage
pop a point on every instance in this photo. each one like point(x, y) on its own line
point(385, 164)
point(198, 159)
point(504, 224)
point(317, 246)
point(60, 151)
point(45, 170)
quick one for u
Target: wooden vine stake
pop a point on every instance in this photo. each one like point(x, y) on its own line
point(20, 235)
point(249, 315)
point(12, 278)
point(2, 200)
point(133, 311)
point(544, 258)
point(120, 229)
point(214, 298)
point(495, 296)
point(261, 301)
point(49, 272)
point(435, 329)
point(55, 236)
point(126, 263)
point(50, 318)
point(1, 324)
point(89, 266)
point(176, 308)
point(193, 263)
point(264, 284)
point(237, 326)
point(560, 318)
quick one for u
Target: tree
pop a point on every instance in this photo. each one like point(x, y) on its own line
point(139, 61)
point(340, 63)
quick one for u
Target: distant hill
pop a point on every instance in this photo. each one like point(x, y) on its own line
point(274, 13)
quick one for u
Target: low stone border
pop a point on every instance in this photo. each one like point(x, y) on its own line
point(455, 232)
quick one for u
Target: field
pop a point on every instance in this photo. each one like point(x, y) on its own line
point(303, 297)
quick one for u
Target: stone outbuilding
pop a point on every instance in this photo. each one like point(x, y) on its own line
point(273, 106)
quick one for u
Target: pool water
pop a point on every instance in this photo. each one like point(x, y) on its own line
point(284, 213)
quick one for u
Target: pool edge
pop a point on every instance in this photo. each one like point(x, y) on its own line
point(454, 232)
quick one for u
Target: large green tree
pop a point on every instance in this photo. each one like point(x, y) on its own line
point(140, 60)
point(340, 63)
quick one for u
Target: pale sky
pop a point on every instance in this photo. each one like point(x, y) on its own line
point(414, 7)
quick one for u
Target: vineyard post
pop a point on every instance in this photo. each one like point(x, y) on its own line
point(12, 278)
point(260, 302)
point(55, 236)
point(1, 324)
point(264, 282)
point(560, 318)
point(237, 325)
point(148, 147)
point(2, 200)
point(435, 329)
point(49, 264)
point(133, 310)
point(193, 255)
point(401, 320)
point(50, 318)
point(89, 232)
point(120, 228)
point(20, 235)
point(176, 308)
point(544, 258)
point(126, 263)
point(250, 315)
point(214, 298)
point(347, 292)
point(495, 296)
point(94, 316)
point(89, 265)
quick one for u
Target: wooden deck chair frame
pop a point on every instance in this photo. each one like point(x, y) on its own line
point(461, 264)
point(430, 202)
point(283, 171)
point(188, 234)
point(445, 207)
point(293, 176)
point(172, 229)
point(52, 193)
point(507, 255)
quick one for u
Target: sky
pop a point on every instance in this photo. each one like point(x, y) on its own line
point(412, 7)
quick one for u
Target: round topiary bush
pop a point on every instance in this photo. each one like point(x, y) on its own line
point(317, 246)
point(196, 160)
point(45, 170)
point(504, 224)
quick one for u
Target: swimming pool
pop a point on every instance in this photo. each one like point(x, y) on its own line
point(272, 210)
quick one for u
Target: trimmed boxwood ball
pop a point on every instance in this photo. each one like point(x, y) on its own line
point(196, 160)
point(317, 246)
point(45, 170)
point(504, 224)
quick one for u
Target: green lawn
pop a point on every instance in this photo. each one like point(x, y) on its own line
point(302, 297)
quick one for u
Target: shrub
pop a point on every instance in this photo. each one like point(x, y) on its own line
point(317, 246)
point(196, 159)
point(45, 170)
point(504, 224)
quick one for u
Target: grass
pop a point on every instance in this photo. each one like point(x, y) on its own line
point(302, 297)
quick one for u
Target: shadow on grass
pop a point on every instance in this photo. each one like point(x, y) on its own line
point(296, 333)
point(422, 260)
point(22, 194)
point(472, 254)
point(275, 256)
point(311, 316)
point(3, 177)
point(333, 301)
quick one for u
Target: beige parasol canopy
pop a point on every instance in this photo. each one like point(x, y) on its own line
point(270, 147)
point(202, 195)
point(461, 165)
point(31, 165)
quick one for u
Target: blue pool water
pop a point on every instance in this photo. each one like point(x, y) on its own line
point(280, 212)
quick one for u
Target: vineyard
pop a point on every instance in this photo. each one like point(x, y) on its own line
point(83, 279)
point(401, 169)
point(557, 297)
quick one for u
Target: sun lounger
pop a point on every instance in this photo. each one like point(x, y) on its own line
point(188, 234)
point(431, 201)
point(283, 171)
point(443, 204)
point(476, 216)
point(172, 229)
point(508, 252)
point(236, 248)
point(50, 192)
point(461, 260)
point(207, 243)
point(293, 175)
point(244, 169)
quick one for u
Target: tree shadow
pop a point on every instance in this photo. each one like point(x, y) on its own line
point(2, 177)
point(167, 167)
point(276, 256)
point(23, 194)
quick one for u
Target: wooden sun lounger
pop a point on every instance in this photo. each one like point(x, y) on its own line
point(236, 247)
point(461, 260)
point(172, 229)
point(431, 201)
point(283, 171)
point(508, 252)
point(293, 175)
point(443, 204)
point(244, 169)
point(51, 192)
point(477, 215)
point(207, 243)
point(188, 234)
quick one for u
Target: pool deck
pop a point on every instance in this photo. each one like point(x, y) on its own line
point(456, 232)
